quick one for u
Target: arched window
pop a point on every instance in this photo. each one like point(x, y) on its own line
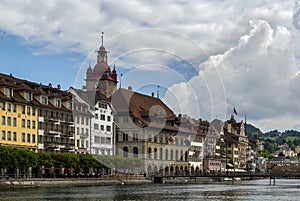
point(155, 153)
point(149, 153)
point(161, 154)
point(135, 152)
point(176, 155)
point(125, 152)
point(172, 157)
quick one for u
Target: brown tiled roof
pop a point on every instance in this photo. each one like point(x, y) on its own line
point(140, 107)
point(19, 85)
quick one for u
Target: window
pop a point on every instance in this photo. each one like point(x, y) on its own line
point(28, 110)
point(102, 105)
point(3, 135)
point(135, 136)
point(103, 140)
point(58, 102)
point(102, 117)
point(125, 137)
point(87, 131)
point(69, 105)
point(9, 135)
point(33, 111)
point(33, 138)
point(86, 121)
point(23, 109)
point(14, 108)
point(8, 107)
point(14, 136)
point(8, 92)
point(77, 131)
point(108, 128)
point(77, 119)
point(9, 121)
point(82, 131)
point(3, 105)
point(108, 118)
point(28, 123)
point(28, 96)
point(96, 126)
point(97, 139)
point(108, 140)
point(33, 124)
point(82, 120)
point(87, 144)
point(44, 100)
point(82, 143)
point(3, 120)
point(14, 121)
point(23, 123)
point(28, 137)
point(102, 127)
point(77, 141)
point(96, 116)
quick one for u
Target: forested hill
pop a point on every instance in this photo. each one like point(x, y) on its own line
point(252, 131)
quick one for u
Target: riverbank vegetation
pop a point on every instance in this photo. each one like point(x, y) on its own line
point(21, 159)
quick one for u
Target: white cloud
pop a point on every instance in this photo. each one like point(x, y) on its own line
point(253, 65)
point(257, 75)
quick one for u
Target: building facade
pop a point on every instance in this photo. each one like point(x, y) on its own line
point(148, 129)
point(19, 114)
point(82, 120)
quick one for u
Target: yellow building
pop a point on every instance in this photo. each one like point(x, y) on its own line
point(19, 116)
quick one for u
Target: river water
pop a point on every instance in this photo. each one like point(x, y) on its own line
point(243, 190)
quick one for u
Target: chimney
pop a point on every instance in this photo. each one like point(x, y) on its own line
point(129, 88)
point(50, 85)
point(58, 86)
point(152, 94)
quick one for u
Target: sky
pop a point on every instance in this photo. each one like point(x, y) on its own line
point(202, 58)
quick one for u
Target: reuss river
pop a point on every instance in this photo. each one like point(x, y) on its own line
point(242, 190)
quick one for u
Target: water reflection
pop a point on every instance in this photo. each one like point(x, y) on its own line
point(244, 190)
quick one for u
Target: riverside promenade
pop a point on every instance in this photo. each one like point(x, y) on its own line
point(81, 181)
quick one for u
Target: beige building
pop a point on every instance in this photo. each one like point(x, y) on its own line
point(148, 129)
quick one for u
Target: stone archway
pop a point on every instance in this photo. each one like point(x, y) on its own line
point(167, 170)
point(125, 152)
point(135, 152)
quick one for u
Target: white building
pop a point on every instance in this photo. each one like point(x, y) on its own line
point(82, 119)
point(102, 128)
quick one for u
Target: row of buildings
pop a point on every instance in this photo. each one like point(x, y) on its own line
point(103, 120)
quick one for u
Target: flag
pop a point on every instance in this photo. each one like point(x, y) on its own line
point(187, 141)
point(172, 138)
point(99, 88)
point(234, 111)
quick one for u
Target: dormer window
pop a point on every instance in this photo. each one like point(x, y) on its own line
point(69, 104)
point(28, 96)
point(44, 100)
point(58, 103)
point(8, 92)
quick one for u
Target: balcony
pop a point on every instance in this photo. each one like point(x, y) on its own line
point(83, 135)
point(68, 134)
point(53, 132)
point(51, 119)
point(52, 146)
point(68, 147)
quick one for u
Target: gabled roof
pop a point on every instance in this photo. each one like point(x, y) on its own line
point(91, 97)
point(146, 111)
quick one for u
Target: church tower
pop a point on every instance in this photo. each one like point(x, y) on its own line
point(101, 77)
